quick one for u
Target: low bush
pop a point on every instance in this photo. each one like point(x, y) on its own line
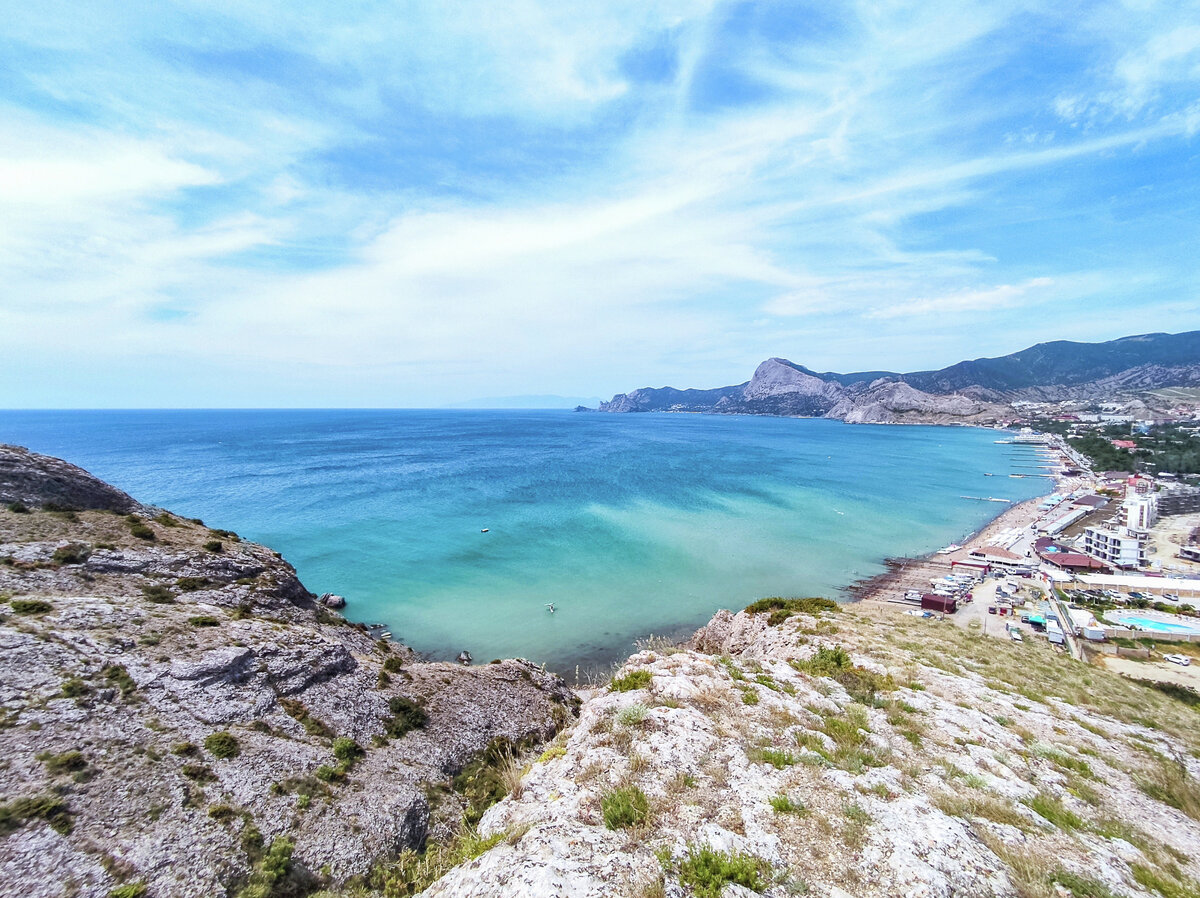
point(1051, 809)
point(413, 872)
point(347, 750)
point(783, 804)
point(158, 594)
point(1178, 691)
point(129, 890)
point(214, 545)
point(30, 606)
point(119, 677)
point(74, 687)
point(781, 609)
point(222, 744)
point(296, 709)
point(406, 715)
point(18, 508)
point(707, 871)
point(204, 620)
point(64, 763)
point(198, 772)
point(141, 531)
point(192, 584)
point(486, 779)
point(835, 663)
point(636, 679)
point(71, 554)
point(50, 808)
point(623, 808)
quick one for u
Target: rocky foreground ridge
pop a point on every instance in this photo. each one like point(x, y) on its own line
point(971, 392)
point(180, 717)
point(857, 753)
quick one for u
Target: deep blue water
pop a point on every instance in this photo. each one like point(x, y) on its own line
point(630, 524)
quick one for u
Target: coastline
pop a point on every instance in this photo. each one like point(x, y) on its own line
point(887, 588)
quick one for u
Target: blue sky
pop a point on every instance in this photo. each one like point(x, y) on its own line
point(406, 204)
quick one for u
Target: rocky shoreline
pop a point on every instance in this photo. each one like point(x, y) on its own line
point(173, 703)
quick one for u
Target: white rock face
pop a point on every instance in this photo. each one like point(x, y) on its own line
point(912, 793)
point(775, 377)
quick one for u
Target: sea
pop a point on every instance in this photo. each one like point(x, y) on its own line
point(459, 529)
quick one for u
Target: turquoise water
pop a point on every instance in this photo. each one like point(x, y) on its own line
point(630, 524)
point(1149, 623)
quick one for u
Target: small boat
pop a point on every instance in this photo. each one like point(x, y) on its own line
point(550, 605)
point(484, 530)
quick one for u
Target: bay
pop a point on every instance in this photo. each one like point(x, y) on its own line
point(628, 524)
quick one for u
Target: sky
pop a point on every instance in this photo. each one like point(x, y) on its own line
point(397, 204)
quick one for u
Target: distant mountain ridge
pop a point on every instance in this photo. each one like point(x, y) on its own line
point(973, 392)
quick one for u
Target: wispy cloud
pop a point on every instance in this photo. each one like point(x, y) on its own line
point(401, 204)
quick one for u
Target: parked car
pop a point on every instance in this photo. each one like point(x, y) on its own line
point(991, 609)
point(1182, 660)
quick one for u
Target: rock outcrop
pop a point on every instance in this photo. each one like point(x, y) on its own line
point(174, 702)
point(853, 755)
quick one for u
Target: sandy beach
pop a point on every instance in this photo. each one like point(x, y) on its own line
point(904, 574)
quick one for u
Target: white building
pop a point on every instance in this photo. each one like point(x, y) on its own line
point(1119, 548)
point(1141, 511)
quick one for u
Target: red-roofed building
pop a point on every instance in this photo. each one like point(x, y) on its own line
point(1066, 559)
point(1124, 444)
point(998, 556)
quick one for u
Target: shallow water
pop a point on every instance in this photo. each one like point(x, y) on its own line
point(629, 524)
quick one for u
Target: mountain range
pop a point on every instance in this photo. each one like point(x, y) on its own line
point(979, 391)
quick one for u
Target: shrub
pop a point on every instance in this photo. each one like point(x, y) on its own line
point(636, 679)
point(51, 808)
point(783, 804)
point(67, 762)
point(486, 779)
point(198, 772)
point(781, 609)
point(1050, 808)
point(129, 890)
point(72, 554)
point(297, 711)
point(347, 750)
point(18, 508)
point(406, 715)
point(393, 664)
point(1081, 886)
point(141, 531)
point(119, 677)
point(835, 663)
point(214, 545)
point(204, 620)
point(30, 606)
point(158, 594)
point(192, 584)
point(73, 687)
point(625, 807)
point(633, 715)
point(1185, 694)
point(274, 874)
point(222, 744)
point(222, 813)
point(708, 871)
point(774, 757)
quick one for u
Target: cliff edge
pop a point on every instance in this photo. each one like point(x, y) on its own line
point(180, 717)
